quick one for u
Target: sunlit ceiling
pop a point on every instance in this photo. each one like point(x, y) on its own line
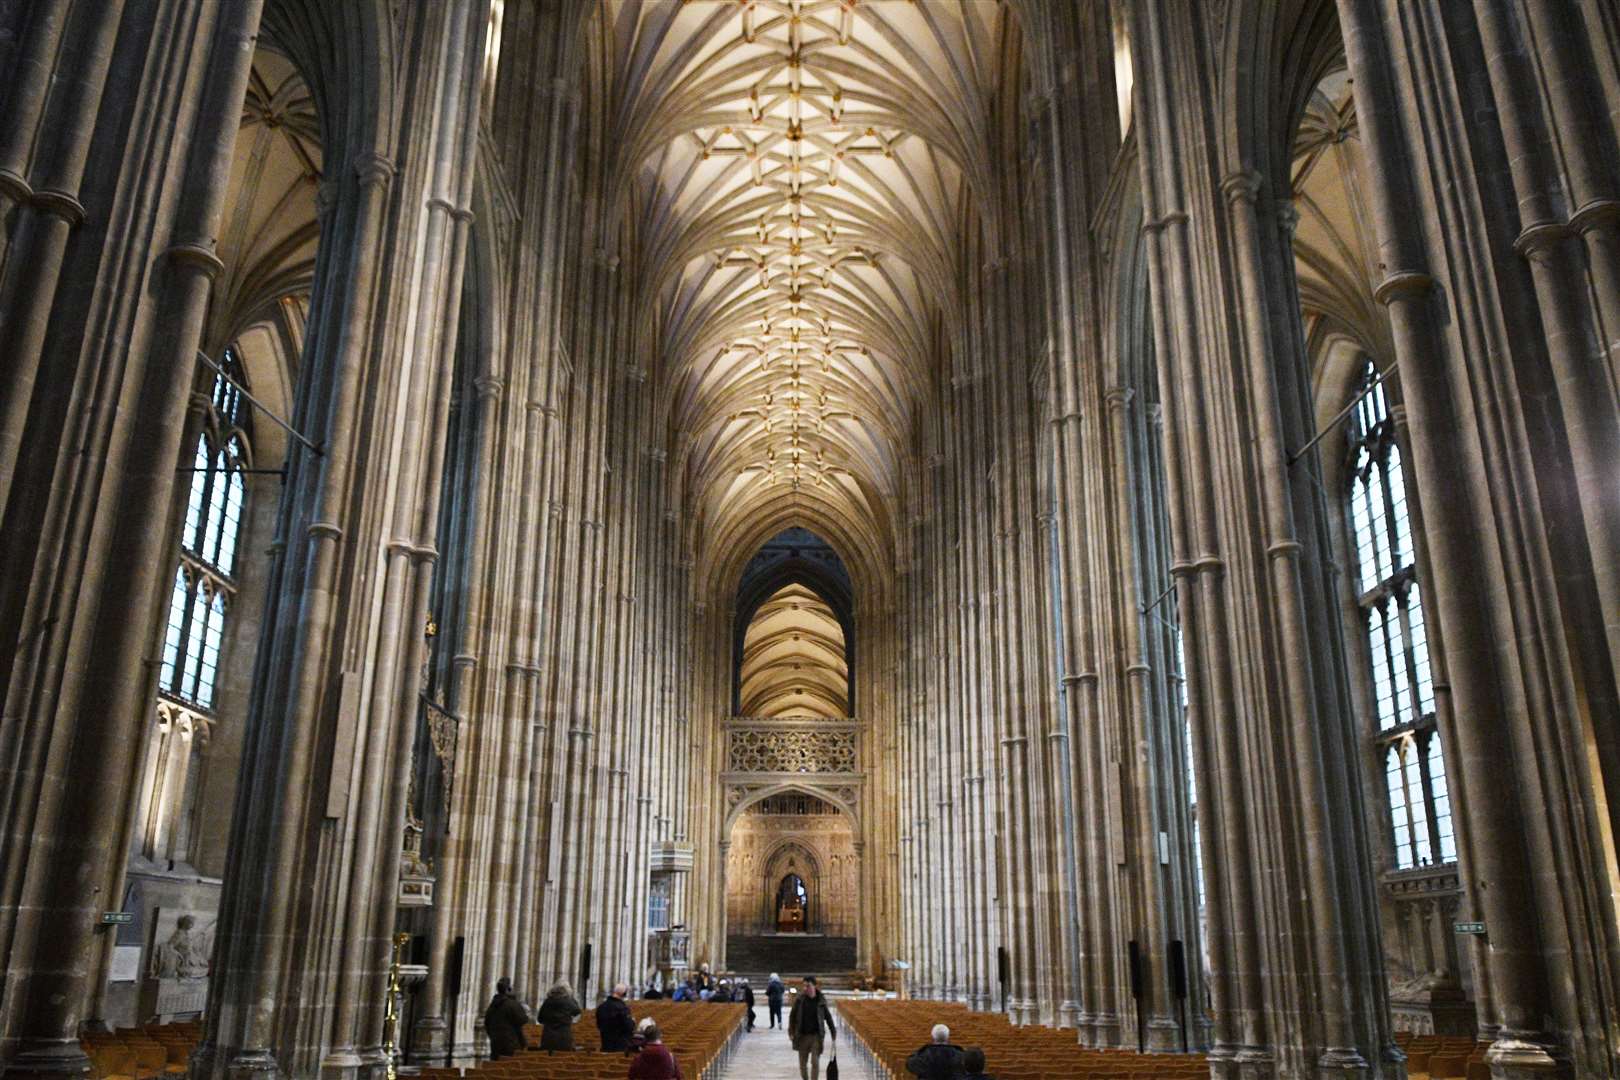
point(268, 237)
point(1334, 251)
point(798, 170)
point(794, 662)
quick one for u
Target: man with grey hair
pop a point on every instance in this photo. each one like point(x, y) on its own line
point(614, 1021)
point(939, 1059)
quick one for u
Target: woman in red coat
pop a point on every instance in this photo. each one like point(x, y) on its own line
point(655, 1062)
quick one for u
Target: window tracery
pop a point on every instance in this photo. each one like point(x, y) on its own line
point(194, 631)
point(204, 582)
point(1402, 682)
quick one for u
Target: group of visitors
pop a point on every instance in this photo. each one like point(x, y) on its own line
point(560, 1011)
point(809, 1026)
point(703, 986)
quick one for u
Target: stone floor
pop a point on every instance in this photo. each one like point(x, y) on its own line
point(767, 1055)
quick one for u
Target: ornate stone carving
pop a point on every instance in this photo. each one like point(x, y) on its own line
point(757, 750)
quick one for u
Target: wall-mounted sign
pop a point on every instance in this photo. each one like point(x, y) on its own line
point(117, 918)
point(126, 964)
point(1469, 927)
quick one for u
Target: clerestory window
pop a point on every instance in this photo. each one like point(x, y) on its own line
point(1402, 685)
point(204, 582)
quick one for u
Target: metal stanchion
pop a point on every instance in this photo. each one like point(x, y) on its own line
point(391, 1015)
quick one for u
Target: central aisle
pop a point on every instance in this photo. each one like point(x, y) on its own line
point(767, 1055)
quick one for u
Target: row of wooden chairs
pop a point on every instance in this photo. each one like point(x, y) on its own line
point(143, 1053)
point(1443, 1057)
point(892, 1030)
point(699, 1034)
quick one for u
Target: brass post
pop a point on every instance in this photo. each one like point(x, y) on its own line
point(391, 1014)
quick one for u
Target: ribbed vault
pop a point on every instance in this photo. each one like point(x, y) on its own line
point(794, 662)
point(796, 171)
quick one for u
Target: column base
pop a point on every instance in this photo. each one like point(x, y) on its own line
point(1231, 1061)
point(48, 1061)
point(1104, 1030)
point(342, 1063)
point(1519, 1057)
point(1341, 1061)
point(1164, 1035)
point(1068, 1014)
point(430, 1039)
point(250, 1065)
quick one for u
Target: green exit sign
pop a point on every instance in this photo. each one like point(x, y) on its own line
point(117, 918)
point(1469, 927)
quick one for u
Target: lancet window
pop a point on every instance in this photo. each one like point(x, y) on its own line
point(1402, 684)
point(204, 581)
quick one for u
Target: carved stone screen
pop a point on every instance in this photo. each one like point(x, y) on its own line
point(764, 749)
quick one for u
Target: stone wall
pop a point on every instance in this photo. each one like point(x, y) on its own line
point(820, 848)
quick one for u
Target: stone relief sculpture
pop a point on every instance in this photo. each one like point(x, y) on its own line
point(186, 953)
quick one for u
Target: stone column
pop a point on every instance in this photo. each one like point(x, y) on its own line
point(48, 197)
point(1449, 435)
point(52, 940)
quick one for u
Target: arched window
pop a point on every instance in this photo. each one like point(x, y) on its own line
point(204, 582)
point(1402, 691)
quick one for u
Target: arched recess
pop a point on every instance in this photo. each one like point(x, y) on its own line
point(840, 796)
point(793, 661)
point(781, 859)
point(813, 833)
point(796, 556)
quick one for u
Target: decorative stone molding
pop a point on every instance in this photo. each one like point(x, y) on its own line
point(761, 750)
point(62, 205)
point(373, 169)
point(199, 257)
point(1243, 185)
point(1403, 284)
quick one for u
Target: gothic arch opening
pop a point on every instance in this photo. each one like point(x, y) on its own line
point(792, 879)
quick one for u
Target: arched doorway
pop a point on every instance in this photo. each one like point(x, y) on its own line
point(792, 886)
point(792, 907)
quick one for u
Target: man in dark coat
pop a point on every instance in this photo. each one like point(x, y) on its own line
point(973, 1065)
point(746, 996)
point(557, 1015)
point(939, 1060)
point(503, 1022)
point(614, 1021)
point(773, 997)
point(806, 1020)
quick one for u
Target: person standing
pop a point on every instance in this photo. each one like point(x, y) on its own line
point(558, 1014)
point(746, 996)
point(807, 1020)
point(614, 1021)
point(774, 991)
point(503, 1022)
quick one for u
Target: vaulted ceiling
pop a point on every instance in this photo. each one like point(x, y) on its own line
point(794, 661)
point(797, 172)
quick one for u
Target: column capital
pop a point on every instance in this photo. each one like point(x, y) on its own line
point(1243, 185)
